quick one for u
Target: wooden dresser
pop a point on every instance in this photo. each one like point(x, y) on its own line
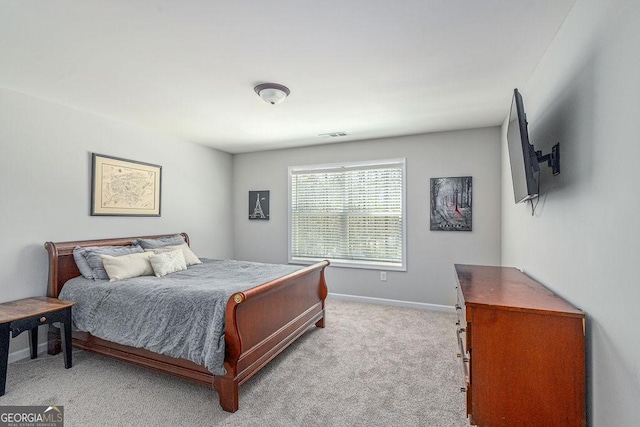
point(522, 350)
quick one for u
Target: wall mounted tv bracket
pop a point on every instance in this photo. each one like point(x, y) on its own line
point(552, 159)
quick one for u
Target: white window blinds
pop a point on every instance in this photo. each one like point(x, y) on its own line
point(351, 214)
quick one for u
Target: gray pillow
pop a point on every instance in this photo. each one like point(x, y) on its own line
point(160, 242)
point(94, 261)
point(81, 262)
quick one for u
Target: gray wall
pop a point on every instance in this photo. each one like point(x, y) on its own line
point(45, 164)
point(583, 240)
point(429, 277)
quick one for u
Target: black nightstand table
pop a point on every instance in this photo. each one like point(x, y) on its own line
point(26, 315)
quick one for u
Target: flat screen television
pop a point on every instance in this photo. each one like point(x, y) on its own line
point(525, 170)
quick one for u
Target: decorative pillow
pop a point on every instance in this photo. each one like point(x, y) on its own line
point(127, 266)
point(92, 255)
point(189, 257)
point(167, 262)
point(160, 242)
point(81, 262)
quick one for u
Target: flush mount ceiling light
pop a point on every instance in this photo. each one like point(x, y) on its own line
point(272, 93)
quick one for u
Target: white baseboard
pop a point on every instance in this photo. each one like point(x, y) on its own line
point(25, 352)
point(398, 303)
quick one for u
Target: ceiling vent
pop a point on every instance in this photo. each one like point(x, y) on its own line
point(333, 134)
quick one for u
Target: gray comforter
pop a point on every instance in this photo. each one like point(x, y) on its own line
point(180, 315)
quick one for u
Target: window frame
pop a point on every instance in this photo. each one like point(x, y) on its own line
point(360, 264)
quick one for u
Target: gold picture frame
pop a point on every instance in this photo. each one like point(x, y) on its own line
point(121, 187)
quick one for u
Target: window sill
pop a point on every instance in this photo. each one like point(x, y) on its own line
point(368, 265)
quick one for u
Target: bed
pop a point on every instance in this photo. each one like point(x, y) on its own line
point(260, 321)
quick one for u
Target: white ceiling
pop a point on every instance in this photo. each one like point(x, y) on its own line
point(187, 69)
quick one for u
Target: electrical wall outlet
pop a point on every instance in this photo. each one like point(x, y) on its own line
point(383, 276)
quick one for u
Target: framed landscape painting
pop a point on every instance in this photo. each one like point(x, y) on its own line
point(451, 204)
point(123, 187)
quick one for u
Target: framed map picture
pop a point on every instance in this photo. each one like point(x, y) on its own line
point(451, 203)
point(123, 187)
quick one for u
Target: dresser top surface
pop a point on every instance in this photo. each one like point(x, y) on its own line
point(510, 289)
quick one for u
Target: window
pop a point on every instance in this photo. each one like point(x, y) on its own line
point(351, 213)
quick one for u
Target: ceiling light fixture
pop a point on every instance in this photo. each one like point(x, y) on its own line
point(272, 93)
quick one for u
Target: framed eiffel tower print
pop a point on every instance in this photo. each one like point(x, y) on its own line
point(259, 204)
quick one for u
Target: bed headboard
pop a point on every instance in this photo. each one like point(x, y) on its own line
point(62, 266)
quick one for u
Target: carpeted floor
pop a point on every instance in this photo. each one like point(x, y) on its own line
point(372, 365)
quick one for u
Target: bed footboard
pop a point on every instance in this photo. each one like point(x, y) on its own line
point(263, 321)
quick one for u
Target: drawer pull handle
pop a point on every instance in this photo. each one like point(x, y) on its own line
point(458, 307)
point(43, 319)
point(462, 389)
point(462, 355)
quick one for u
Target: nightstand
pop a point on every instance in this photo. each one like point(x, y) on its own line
point(26, 315)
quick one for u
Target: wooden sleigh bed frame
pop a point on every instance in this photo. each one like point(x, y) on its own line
point(260, 322)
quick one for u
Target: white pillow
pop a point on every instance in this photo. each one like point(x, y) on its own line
point(189, 257)
point(167, 262)
point(127, 266)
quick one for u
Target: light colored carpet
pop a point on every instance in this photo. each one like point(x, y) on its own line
point(372, 365)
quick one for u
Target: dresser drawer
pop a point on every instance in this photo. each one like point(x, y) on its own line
point(463, 345)
point(463, 351)
point(460, 308)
